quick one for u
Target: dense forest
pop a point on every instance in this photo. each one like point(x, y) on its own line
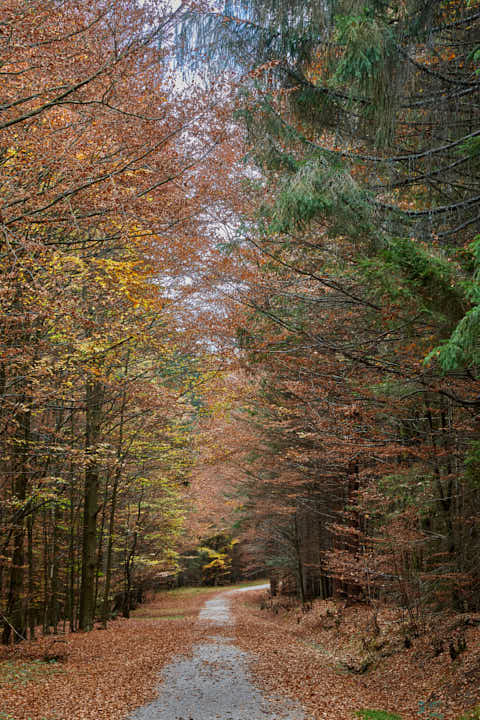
point(360, 336)
point(240, 303)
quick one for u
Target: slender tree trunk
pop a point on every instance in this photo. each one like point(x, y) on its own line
point(15, 613)
point(3, 469)
point(298, 550)
point(100, 540)
point(54, 573)
point(45, 573)
point(90, 507)
point(108, 568)
point(113, 503)
point(71, 580)
point(70, 593)
point(129, 558)
point(31, 582)
point(127, 596)
point(445, 498)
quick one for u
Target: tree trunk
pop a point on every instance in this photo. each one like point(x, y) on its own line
point(100, 540)
point(113, 504)
point(108, 569)
point(31, 584)
point(90, 507)
point(298, 551)
point(53, 621)
point(15, 616)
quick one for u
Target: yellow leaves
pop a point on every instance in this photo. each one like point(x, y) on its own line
point(11, 153)
point(63, 262)
point(127, 279)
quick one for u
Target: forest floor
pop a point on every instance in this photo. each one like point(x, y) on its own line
point(103, 674)
point(336, 660)
point(333, 661)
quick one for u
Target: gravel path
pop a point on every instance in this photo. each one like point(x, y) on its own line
point(215, 683)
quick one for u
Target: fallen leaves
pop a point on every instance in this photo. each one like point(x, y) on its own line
point(106, 673)
point(299, 657)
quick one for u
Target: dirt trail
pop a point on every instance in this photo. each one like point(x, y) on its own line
point(215, 683)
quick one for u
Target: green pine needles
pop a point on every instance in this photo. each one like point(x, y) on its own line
point(462, 349)
point(316, 190)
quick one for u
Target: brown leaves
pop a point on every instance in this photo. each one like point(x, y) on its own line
point(107, 672)
point(306, 657)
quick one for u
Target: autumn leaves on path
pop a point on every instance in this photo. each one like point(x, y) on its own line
point(216, 669)
point(113, 674)
point(215, 681)
point(103, 674)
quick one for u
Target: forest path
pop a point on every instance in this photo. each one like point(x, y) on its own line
point(215, 683)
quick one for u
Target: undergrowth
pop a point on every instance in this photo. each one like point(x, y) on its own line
point(377, 715)
point(20, 673)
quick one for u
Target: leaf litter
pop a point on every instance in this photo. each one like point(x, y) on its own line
point(103, 674)
point(318, 659)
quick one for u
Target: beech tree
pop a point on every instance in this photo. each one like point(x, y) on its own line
point(97, 221)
